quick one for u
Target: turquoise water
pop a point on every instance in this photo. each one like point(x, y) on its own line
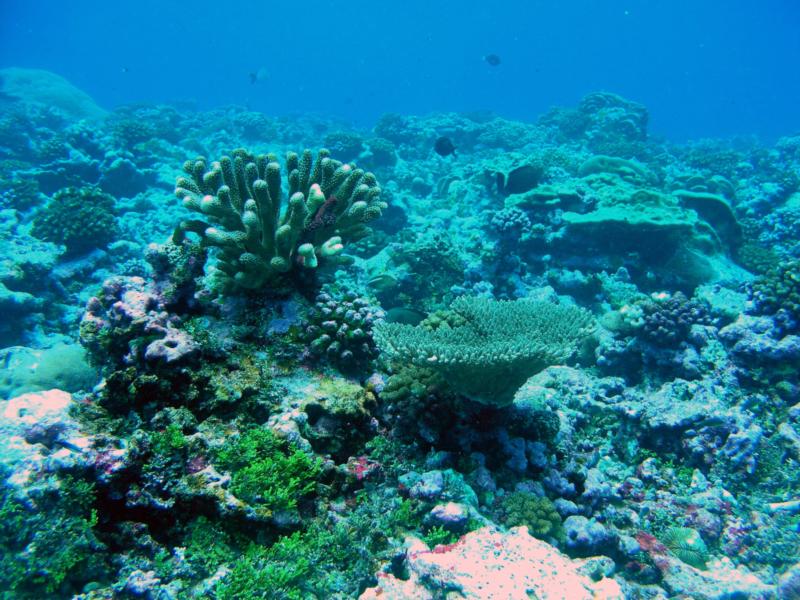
point(703, 69)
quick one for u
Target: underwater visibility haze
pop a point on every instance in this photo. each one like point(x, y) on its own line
point(410, 300)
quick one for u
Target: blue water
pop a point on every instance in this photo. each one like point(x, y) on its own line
point(703, 68)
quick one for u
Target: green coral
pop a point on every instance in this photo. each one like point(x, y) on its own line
point(439, 536)
point(267, 471)
point(497, 348)
point(339, 418)
point(412, 383)
point(331, 559)
point(687, 545)
point(266, 573)
point(48, 546)
point(208, 545)
point(80, 219)
point(240, 197)
point(537, 513)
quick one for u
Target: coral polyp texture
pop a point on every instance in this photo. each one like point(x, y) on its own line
point(241, 198)
point(340, 329)
point(778, 293)
point(80, 219)
point(493, 348)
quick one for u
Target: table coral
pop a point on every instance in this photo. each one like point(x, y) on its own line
point(498, 346)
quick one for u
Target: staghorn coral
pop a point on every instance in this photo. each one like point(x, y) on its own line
point(499, 345)
point(329, 203)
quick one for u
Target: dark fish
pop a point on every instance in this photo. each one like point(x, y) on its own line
point(444, 146)
point(406, 316)
point(492, 59)
point(523, 179)
point(261, 75)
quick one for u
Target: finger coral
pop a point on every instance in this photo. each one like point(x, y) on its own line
point(240, 197)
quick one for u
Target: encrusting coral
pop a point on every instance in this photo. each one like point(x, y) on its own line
point(489, 354)
point(329, 203)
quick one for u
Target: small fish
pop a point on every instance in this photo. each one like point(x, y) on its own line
point(382, 282)
point(68, 445)
point(444, 146)
point(407, 316)
point(522, 179)
point(492, 59)
point(261, 75)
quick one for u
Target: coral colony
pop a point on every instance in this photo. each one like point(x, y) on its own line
point(559, 362)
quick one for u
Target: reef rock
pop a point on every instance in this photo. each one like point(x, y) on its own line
point(489, 564)
point(38, 433)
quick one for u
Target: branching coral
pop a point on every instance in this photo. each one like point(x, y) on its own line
point(329, 203)
point(495, 349)
point(537, 513)
point(667, 319)
point(778, 293)
point(340, 329)
point(80, 219)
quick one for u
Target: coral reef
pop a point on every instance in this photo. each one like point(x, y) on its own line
point(496, 347)
point(486, 563)
point(550, 331)
point(339, 329)
point(536, 513)
point(777, 293)
point(328, 205)
point(80, 219)
point(46, 89)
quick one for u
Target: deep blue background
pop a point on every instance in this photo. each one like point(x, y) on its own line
point(702, 67)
